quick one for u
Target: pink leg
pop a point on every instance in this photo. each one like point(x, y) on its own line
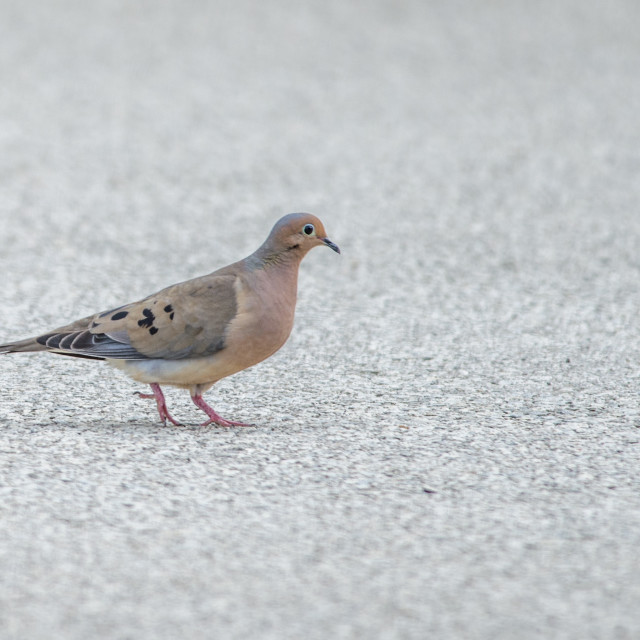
point(198, 400)
point(158, 396)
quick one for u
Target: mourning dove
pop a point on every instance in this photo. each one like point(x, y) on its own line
point(192, 334)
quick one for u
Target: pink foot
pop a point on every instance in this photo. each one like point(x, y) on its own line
point(158, 396)
point(214, 417)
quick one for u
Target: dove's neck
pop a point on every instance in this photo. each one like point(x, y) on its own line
point(275, 277)
point(267, 257)
point(279, 272)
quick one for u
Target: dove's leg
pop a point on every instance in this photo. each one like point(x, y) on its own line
point(158, 396)
point(198, 400)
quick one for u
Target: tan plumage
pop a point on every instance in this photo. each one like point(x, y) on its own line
point(194, 333)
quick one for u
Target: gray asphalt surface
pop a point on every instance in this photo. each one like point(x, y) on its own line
point(448, 445)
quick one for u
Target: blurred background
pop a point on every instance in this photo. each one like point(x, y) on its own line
point(478, 163)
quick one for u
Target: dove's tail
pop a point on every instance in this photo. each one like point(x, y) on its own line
point(22, 346)
point(33, 344)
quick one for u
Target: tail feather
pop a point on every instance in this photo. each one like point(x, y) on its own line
point(32, 345)
point(38, 343)
point(22, 346)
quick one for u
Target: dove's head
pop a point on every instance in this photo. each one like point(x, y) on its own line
point(295, 234)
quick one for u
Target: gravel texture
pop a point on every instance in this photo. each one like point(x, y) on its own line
point(448, 445)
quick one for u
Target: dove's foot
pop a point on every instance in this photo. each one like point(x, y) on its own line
point(198, 400)
point(158, 396)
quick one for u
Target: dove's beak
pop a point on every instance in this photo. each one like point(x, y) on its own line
point(331, 245)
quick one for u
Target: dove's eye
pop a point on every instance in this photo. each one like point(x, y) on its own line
point(308, 229)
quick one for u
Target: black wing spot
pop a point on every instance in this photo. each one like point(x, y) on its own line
point(168, 308)
point(153, 330)
point(148, 319)
point(120, 315)
point(171, 315)
point(106, 313)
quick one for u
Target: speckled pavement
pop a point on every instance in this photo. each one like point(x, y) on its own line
point(448, 445)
